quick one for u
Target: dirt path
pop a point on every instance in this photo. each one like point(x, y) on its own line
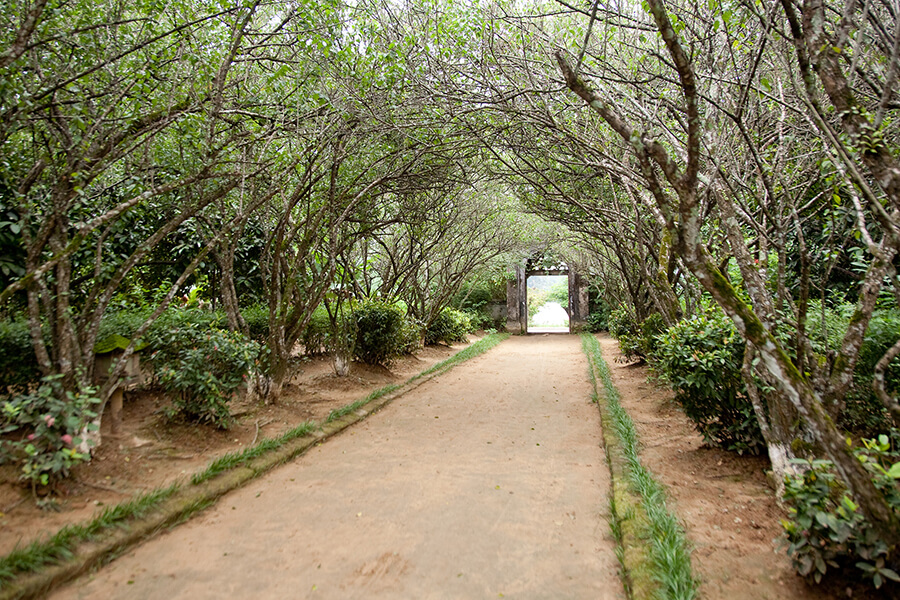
point(487, 482)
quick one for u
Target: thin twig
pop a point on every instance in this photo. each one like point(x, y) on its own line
point(14, 504)
point(258, 426)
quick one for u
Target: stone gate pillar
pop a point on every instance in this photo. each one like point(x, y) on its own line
point(578, 302)
point(516, 299)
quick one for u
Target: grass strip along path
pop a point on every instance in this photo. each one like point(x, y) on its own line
point(650, 543)
point(32, 571)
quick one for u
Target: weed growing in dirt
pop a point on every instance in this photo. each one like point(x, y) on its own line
point(346, 410)
point(669, 553)
point(479, 347)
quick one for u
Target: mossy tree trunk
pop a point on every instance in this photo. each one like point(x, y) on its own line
point(674, 183)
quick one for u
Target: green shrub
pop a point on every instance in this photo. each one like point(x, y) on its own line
point(883, 332)
point(40, 430)
point(701, 359)
point(315, 336)
point(122, 322)
point(203, 369)
point(636, 340)
point(475, 299)
point(481, 319)
point(827, 533)
point(475, 296)
point(18, 364)
point(449, 326)
point(379, 332)
point(650, 327)
point(413, 334)
point(596, 322)
point(621, 323)
point(826, 326)
point(178, 325)
point(863, 412)
point(257, 319)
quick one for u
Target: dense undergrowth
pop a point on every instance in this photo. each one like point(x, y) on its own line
point(701, 358)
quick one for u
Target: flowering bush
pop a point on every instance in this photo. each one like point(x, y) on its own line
point(48, 423)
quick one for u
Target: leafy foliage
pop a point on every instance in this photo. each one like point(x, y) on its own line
point(48, 423)
point(701, 359)
point(621, 323)
point(596, 321)
point(203, 369)
point(315, 337)
point(450, 326)
point(18, 365)
point(862, 412)
point(637, 340)
point(476, 299)
point(413, 333)
point(536, 301)
point(380, 336)
point(559, 293)
point(257, 319)
point(826, 531)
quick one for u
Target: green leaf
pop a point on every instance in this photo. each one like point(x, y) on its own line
point(894, 471)
point(890, 574)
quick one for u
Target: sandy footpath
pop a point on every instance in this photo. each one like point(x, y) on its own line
point(487, 482)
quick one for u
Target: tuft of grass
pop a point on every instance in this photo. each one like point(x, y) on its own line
point(668, 552)
point(43, 553)
point(234, 459)
point(353, 406)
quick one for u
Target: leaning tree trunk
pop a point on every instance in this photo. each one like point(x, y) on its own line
point(776, 419)
point(684, 219)
point(228, 293)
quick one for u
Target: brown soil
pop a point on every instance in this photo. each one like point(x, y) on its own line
point(152, 450)
point(724, 500)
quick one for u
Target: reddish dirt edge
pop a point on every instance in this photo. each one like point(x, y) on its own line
point(724, 500)
point(152, 451)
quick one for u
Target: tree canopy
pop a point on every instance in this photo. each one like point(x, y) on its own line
point(741, 156)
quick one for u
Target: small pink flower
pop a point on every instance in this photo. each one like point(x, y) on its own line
point(30, 437)
point(67, 439)
point(49, 421)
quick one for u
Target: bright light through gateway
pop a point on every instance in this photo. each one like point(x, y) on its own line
point(548, 301)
